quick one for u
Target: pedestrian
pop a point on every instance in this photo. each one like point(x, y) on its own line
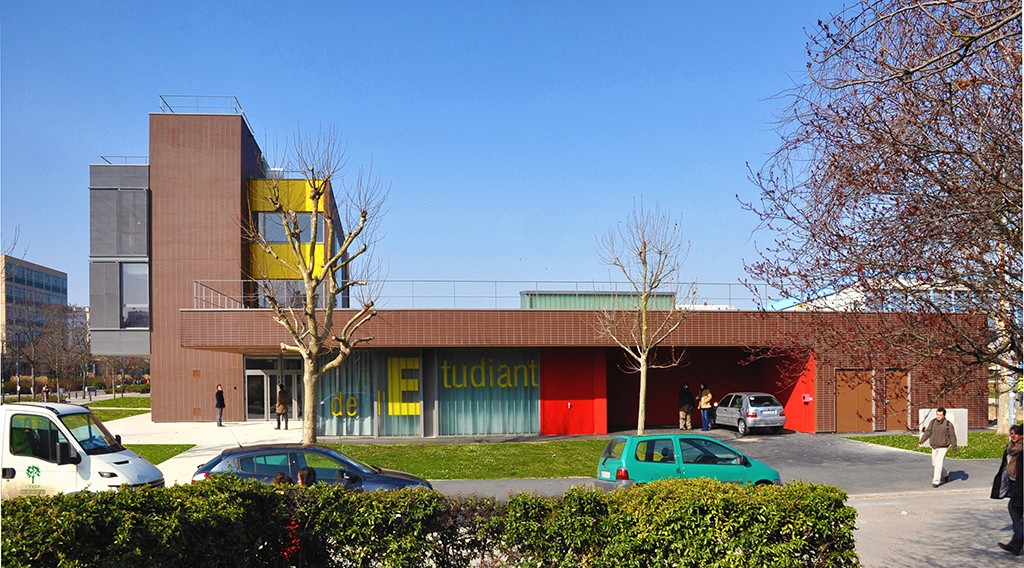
point(281, 478)
point(219, 397)
point(1010, 483)
point(46, 393)
point(685, 407)
point(941, 435)
point(705, 407)
point(307, 476)
point(283, 400)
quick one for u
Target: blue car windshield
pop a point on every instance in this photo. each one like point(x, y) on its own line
point(91, 434)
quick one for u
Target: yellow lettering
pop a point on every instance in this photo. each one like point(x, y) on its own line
point(473, 375)
point(403, 377)
point(352, 406)
point(336, 405)
point(504, 375)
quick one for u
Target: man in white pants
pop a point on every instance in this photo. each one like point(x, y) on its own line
point(942, 437)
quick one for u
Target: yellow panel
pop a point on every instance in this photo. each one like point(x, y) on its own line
point(294, 194)
point(264, 266)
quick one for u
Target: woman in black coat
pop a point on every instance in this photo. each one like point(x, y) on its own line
point(1009, 482)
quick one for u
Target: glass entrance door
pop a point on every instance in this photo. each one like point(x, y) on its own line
point(259, 387)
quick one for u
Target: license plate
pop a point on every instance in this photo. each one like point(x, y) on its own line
point(766, 412)
point(606, 475)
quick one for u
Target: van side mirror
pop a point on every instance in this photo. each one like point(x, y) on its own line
point(67, 455)
point(118, 438)
point(744, 461)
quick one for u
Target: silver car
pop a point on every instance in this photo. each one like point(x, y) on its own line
point(746, 410)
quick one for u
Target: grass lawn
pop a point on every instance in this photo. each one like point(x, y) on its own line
point(126, 402)
point(516, 460)
point(108, 414)
point(158, 453)
point(981, 445)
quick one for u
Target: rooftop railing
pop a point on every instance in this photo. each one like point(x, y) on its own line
point(202, 104)
point(491, 294)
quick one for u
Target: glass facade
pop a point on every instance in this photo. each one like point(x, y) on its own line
point(398, 392)
point(134, 295)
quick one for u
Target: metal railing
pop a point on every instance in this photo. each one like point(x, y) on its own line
point(203, 104)
point(491, 294)
point(126, 160)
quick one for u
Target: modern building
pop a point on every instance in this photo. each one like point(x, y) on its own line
point(26, 288)
point(534, 365)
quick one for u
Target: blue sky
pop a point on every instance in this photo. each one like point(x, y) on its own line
point(513, 134)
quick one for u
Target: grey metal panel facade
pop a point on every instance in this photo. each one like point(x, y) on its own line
point(125, 343)
point(123, 176)
point(119, 228)
point(104, 295)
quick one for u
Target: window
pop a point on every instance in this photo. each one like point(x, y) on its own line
point(135, 295)
point(655, 451)
point(708, 452)
point(265, 464)
point(761, 401)
point(35, 436)
point(737, 402)
point(270, 226)
point(327, 468)
point(91, 434)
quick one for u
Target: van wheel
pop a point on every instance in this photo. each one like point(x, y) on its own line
point(741, 428)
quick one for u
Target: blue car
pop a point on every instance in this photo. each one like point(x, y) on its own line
point(264, 461)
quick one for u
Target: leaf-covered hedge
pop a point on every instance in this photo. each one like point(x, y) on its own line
point(228, 522)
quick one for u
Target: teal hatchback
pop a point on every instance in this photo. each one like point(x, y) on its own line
point(641, 459)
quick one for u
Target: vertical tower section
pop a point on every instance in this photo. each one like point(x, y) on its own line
point(200, 167)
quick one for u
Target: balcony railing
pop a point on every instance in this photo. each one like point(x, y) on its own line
point(491, 294)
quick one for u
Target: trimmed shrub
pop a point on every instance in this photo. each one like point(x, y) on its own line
point(225, 521)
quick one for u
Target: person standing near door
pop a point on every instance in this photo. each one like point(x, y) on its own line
point(685, 407)
point(705, 407)
point(283, 401)
point(219, 398)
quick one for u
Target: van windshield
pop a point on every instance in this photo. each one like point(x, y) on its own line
point(91, 434)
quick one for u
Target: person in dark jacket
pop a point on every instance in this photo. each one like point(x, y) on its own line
point(685, 408)
point(219, 398)
point(1010, 483)
point(941, 435)
point(284, 400)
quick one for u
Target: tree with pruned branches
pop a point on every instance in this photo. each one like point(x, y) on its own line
point(649, 250)
point(897, 183)
point(327, 226)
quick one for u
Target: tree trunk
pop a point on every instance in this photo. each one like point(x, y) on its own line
point(641, 415)
point(309, 403)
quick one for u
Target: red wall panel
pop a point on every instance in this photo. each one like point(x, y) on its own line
point(572, 392)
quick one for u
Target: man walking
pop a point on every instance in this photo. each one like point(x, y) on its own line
point(942, 437)
point(219, 397)
point(685, 407)
point(283, 400)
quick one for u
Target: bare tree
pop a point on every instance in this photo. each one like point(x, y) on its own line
point(64, 341)
point(320, 254)
point(649, 251)
point(898, 177)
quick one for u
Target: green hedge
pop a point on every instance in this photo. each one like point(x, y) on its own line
point(228, 522)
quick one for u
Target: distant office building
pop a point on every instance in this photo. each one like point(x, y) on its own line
point(27, 288)
point(173, 275)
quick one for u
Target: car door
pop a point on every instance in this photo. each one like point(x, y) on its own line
point(30, 466)
point(704, 457)
point(723, 414)
point(654, 458)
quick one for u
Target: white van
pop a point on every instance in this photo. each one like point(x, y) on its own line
point(62, 448)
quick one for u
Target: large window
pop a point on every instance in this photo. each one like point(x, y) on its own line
point(270, 226)
point(134, 295)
